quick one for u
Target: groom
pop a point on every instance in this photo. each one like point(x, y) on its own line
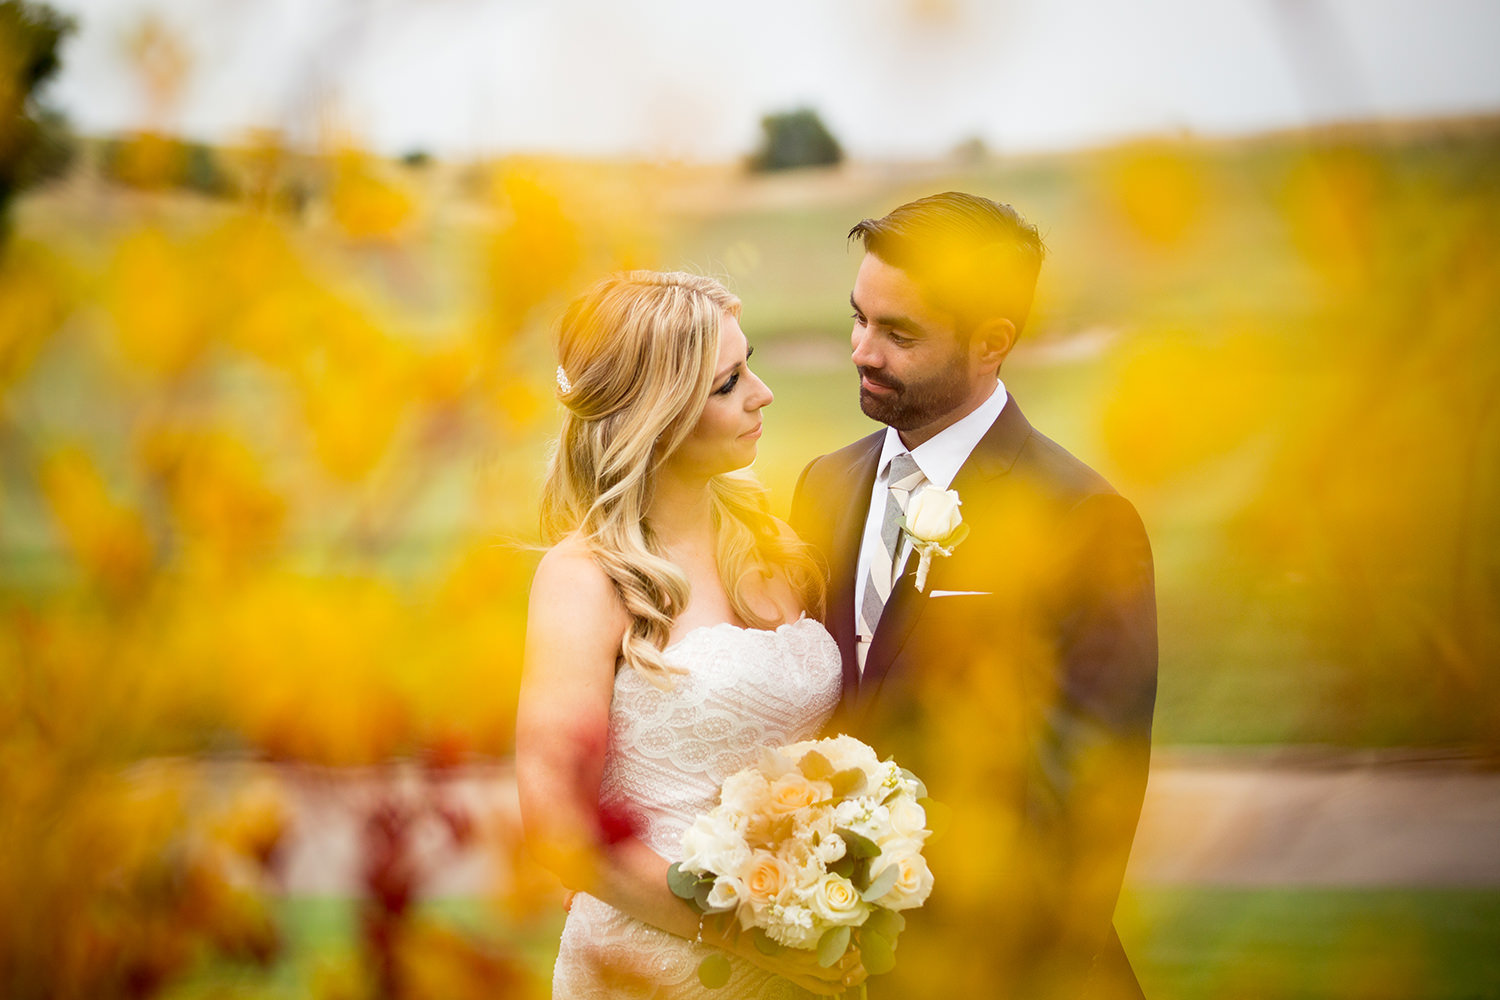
point(1019, 680)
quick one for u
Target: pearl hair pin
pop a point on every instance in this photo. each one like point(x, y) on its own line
point(563, 385)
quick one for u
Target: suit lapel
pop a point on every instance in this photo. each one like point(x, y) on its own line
point(991, 458)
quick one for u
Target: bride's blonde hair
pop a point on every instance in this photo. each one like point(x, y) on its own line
point(637, 355)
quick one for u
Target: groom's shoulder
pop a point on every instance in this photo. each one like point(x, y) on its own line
point(1068, 478)
point(836, 465)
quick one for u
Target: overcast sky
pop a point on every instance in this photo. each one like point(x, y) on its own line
point(691, 78)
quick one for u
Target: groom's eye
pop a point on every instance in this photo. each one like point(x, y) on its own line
point(857, 318)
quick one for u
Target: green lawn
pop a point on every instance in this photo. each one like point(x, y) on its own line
point(1185, 944)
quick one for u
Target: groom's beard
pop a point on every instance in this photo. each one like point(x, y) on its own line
point(915, 403)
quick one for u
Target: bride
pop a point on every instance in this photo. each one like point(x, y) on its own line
point(668, 638)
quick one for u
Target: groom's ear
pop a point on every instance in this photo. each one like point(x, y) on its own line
point(991, 342)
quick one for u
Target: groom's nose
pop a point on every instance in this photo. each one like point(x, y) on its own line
point(862, 345)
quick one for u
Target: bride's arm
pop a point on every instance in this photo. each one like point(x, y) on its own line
point(574, 626)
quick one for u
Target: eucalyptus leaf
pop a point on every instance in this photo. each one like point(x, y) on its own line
point(832, 945)
point(887, 923)
point(815, 766)
point(765, 945)
point(850, 781)
point(714, 972)
point(683, 883)
point(877, 952)
point(858, 845)
point(860, 877)
point(844, 866)
point(921, 786)
point(881, 884)
point(700, 895)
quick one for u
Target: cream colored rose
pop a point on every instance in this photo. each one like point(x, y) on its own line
point(766, 878)
point(793, 791)
point(834, 900)
point(932, 514)
point(914, 879)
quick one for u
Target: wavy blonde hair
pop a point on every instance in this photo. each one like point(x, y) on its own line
point(637, 355)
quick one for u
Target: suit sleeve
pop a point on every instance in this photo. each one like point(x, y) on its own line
point(801, 514)
point(1092, 749)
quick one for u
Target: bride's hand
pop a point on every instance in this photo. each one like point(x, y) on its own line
point(801, 967)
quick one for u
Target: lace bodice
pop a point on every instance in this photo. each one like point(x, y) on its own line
point(669, 751)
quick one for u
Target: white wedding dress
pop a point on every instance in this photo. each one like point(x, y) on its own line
point(669, 751)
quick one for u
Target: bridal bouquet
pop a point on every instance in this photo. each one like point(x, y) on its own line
point(818, 848)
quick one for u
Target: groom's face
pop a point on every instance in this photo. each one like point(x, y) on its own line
point(914, 367)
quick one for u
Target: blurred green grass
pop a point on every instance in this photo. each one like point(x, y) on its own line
point(1184, 943)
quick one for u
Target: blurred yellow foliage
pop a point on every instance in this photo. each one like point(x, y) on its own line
point(33, 303)
point(164, 302)
point(107, 537)
point(1158, 190)
point(368, 204)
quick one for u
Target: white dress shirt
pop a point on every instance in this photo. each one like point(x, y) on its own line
point(939, 458)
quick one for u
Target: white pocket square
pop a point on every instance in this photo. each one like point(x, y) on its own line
point(960, 593)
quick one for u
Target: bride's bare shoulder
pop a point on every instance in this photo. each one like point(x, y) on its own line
point(570, 586)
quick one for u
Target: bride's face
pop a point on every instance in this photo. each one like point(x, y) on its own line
point(724, 439)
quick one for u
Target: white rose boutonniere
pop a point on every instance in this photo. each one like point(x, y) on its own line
point(935, 526)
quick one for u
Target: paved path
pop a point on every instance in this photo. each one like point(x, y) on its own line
point(1283, 818)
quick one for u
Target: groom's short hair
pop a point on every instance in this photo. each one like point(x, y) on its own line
point(976, 258)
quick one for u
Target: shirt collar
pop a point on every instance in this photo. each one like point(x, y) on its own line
point(941, 456)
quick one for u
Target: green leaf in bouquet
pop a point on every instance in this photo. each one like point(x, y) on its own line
point(877, 952)
point(714, 971)
point(881, 884)
point(844, 866)
point(860, 877)
point(700, 895)
point(765, 945)
point(832, 945)
point(939, 816)
point(857, 845)
point(850, 781)
point(887, 923)
point(815, 767)
point(921, 785)
point(683, 883)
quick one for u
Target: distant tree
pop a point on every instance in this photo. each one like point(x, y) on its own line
point(792, 139)
point(416, 158)
point(970, 151)
point(201, 171)
point(35, 143)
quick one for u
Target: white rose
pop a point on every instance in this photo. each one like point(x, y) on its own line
point(932, 514)
point(908, 818)
point(712, 844)
point(913, 880)
point(834, 900)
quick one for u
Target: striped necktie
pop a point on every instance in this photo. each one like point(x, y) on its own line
point(902, 479)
